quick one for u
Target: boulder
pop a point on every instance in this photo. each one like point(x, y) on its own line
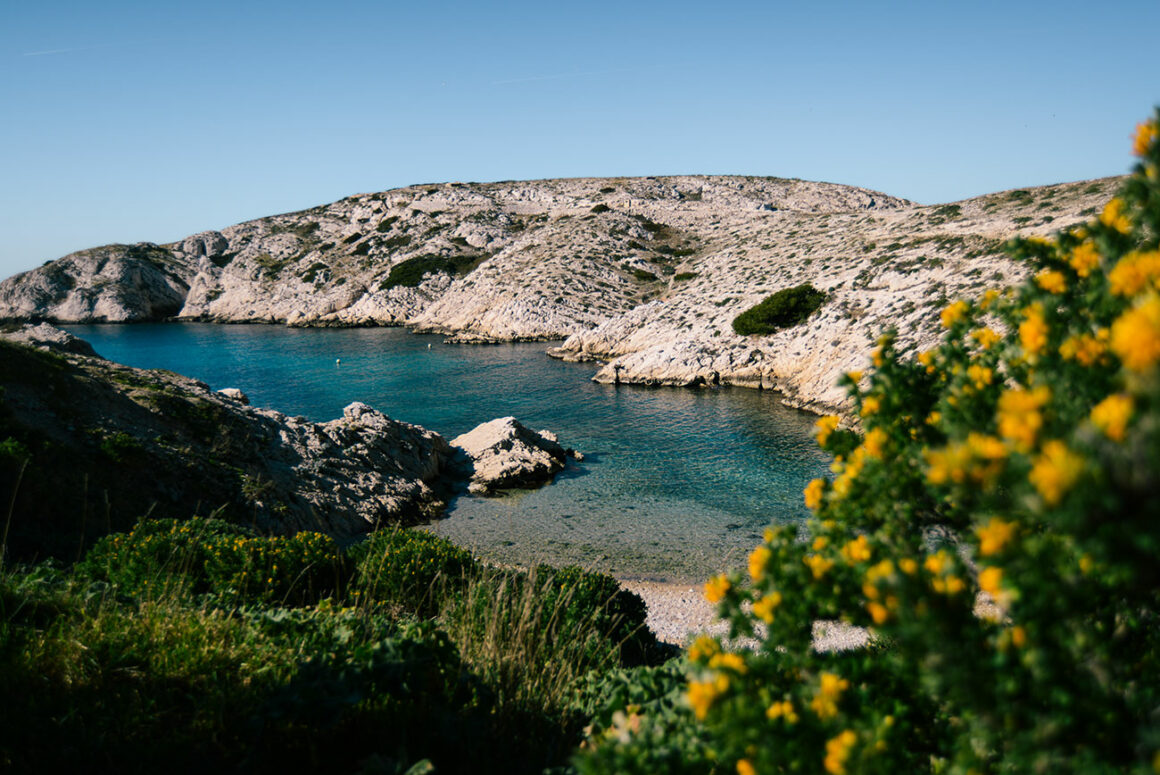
point(45, 336)
point(235, 395)
point(503, 454)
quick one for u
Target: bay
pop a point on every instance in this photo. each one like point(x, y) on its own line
point(676, 484)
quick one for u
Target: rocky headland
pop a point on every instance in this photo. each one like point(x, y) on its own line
point(88, 446)
point(640, 275)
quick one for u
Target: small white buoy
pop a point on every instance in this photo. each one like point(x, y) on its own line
point(338, 361)
point(428, 345)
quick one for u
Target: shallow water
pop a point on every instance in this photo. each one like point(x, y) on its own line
point(675, 483)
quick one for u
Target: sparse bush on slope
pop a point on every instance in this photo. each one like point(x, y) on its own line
point(1014, 465)
point(788, 307)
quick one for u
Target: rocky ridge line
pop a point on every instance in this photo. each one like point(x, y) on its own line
point(643, 275)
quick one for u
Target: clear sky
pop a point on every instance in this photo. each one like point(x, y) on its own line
point(148, 121)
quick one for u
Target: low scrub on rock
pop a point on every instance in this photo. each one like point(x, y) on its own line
point(411, 272)
point(788, 307)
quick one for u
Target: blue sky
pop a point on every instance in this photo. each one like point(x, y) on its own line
point(134, 121)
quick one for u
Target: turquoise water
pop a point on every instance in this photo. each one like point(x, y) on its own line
point(675, 484)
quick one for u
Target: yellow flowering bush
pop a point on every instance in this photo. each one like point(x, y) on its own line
point(995, 527)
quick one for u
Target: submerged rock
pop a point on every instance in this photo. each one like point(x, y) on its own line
point(503, 454)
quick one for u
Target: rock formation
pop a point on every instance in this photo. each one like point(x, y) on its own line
point(644, 275)
point(87, 442)
point(504, 454)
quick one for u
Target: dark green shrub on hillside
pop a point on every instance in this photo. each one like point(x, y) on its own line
point(410, 273)
point(644, 275)
point(788, 307)
point(600, 208)
point(682, 276)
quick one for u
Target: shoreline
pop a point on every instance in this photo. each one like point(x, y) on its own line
point(677, 613)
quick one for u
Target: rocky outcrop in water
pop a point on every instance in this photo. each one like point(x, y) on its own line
point(504, 454)
point(643, 275)
point(90, 446)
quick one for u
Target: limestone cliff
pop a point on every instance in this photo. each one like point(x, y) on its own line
point(643, 274)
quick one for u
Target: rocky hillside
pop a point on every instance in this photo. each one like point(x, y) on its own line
point(642, 274)
point(87, 446)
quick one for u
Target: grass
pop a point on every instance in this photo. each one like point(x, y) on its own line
point(150, 654)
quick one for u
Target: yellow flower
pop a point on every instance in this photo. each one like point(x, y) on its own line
point(782, 710)
point(1055, 471)
point(1082, 348)
point(994, 536)
point(986, 337)
point(878, 612)
point(704, 647)
point(758, 559)
point(764, 607)
point(838, 751)
point(855, 376)
point(701, 696)
point(745, 767)
point(1084, 258)
point(1136, 335)
point(825, 701)
point(908, 566)
point(1112, 415)
point(979, 459)
point(874, 442)
point(818, 565)
point(1113, 216)
point(1018, 637)
point(1146, 134)
point(824, 427)
point(926, 358)
point(814, 492)
point(1033, 330)
point(980, 376)
point(991, 581)
point(953, 313)
point(989, 297)
point(716, 587)
point(1019, 417)
point(1134, 272)
point(733, 662)
point(938, 563)
point(870, 405)
point(857, 550)
point(1051, 281)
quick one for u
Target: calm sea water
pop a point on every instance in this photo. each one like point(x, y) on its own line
point(675, 484)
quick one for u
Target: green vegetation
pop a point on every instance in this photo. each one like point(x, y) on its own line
point(682, 276)
point(992, 523)
point(788, 307)
point(600, 208)
point(198, 644)
point(644, 275)
point(410, 273)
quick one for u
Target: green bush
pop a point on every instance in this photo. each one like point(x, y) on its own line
point(410, 273)
point(680, 276)
point(788, 307)
point(993, 525)
point(200, 556)
point(412, 569)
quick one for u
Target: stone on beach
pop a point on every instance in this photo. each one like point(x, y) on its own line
point(504, 454)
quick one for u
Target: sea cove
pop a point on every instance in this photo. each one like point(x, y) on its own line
point(675, 483)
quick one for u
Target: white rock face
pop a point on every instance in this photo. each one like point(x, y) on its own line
point(505, 454)
point(644, 275)
point(235, 395)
